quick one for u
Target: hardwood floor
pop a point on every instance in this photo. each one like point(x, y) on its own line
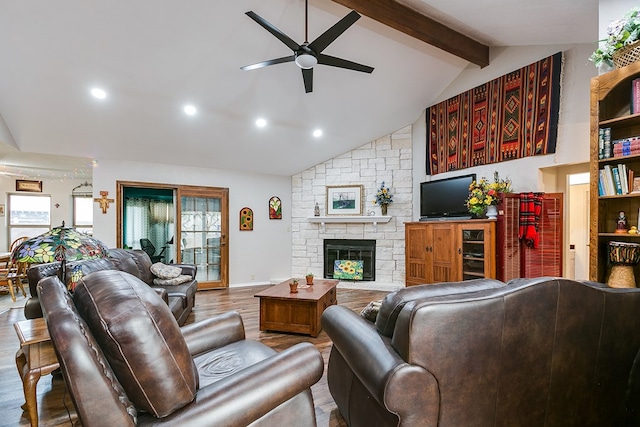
point(55, 406)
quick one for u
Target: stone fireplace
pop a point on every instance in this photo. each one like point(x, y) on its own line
point(350, 249)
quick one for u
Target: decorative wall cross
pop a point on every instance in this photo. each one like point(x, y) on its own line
point(104, 202)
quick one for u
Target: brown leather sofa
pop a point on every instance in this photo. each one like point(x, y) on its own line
point(180, 298)
point(534, 352)
point(126, 361)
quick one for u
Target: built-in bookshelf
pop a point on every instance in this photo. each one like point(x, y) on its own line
point(615, 162)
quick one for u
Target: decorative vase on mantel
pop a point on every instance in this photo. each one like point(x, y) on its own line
point(383, 209)
point(492, 211)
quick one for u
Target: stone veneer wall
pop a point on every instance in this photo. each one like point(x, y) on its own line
point(387, 159)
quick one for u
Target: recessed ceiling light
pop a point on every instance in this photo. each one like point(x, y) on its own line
point(261, 123)
point(98, 93)
point(190, 110)
point(317, 133)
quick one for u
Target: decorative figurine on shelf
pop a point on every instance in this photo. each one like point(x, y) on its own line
point(316, 210)
point(621, 226)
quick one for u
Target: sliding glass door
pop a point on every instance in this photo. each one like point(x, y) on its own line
point(203, 232)
point(147, 220)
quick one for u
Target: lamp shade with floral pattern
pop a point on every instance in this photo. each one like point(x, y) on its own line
point(73, 245)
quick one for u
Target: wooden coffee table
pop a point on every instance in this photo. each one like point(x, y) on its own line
point(283, 311)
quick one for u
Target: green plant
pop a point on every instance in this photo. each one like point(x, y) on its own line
point(483, 193)
point(383, 196)
point(309, 274)
point(620, 33)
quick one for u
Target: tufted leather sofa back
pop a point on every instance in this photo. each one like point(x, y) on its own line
point(102, 394)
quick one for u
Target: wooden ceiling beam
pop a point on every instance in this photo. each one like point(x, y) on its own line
point(421, 27)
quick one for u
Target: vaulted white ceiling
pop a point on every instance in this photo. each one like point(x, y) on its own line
point(153, 57)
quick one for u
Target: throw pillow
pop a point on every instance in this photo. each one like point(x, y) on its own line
point(172, 282)
point(370, 312)
point(164, 271)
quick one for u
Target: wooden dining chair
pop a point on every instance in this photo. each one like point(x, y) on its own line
point(14, 274)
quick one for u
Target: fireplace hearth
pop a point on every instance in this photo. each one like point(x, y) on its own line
point(350, 249)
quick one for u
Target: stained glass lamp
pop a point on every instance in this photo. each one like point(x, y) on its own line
point(59, 244)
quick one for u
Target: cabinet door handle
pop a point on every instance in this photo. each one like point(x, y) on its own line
point(459, 250)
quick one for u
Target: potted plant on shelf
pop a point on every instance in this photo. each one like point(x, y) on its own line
point(309, 278)
point(383, 198)
point(483, 195)
point(293, 286)
point(622, 45)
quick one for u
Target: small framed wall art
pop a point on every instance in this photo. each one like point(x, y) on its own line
point(344, 199)
point(275, 208)
point(246, 219)
point(31, 186)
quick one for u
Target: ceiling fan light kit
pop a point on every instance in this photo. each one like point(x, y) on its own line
point(306, 61)
point(308, 55)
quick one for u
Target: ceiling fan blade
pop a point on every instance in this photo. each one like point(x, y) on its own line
point(284, 59)
point(307, 76)
point(343, 63)
point(273, 30)
point(325, 39)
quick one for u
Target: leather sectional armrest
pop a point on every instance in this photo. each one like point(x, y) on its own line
point(370, 357)
point(214, 332)
point(163, 294)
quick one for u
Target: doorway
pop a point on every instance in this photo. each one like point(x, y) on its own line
point(177, 224)
point(578, 225)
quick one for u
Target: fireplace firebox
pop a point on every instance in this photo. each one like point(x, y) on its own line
point(350, 249)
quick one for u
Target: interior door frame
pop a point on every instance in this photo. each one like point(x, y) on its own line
point(178, 192)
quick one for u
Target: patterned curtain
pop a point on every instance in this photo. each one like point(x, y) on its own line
point(148, 218)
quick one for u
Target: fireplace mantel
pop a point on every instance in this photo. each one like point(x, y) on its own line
point(334, 219)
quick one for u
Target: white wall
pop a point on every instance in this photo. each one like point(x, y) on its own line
point(573, 129)
point(256, 256)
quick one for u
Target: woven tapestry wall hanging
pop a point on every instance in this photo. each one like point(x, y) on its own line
point(511, 117)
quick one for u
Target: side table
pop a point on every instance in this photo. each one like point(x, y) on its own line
point(36, 357)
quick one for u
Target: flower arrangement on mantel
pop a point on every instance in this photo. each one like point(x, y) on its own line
point(383, 198)
point(483, 193)
point(620, 34)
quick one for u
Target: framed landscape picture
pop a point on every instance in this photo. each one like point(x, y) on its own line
point(344, 199)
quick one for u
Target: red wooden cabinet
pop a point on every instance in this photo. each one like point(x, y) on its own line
point(514, 257)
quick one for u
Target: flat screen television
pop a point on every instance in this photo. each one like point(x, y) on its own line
point(445, 198)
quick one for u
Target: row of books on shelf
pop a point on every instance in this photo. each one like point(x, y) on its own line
point(617, 180)
point(617, 148)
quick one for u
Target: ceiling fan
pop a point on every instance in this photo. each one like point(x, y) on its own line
point(307, 55)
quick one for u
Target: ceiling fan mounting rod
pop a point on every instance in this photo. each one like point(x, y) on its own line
point(306, 21)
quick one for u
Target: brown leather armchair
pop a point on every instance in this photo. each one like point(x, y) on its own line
point(126, 361)
point(535, 352)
